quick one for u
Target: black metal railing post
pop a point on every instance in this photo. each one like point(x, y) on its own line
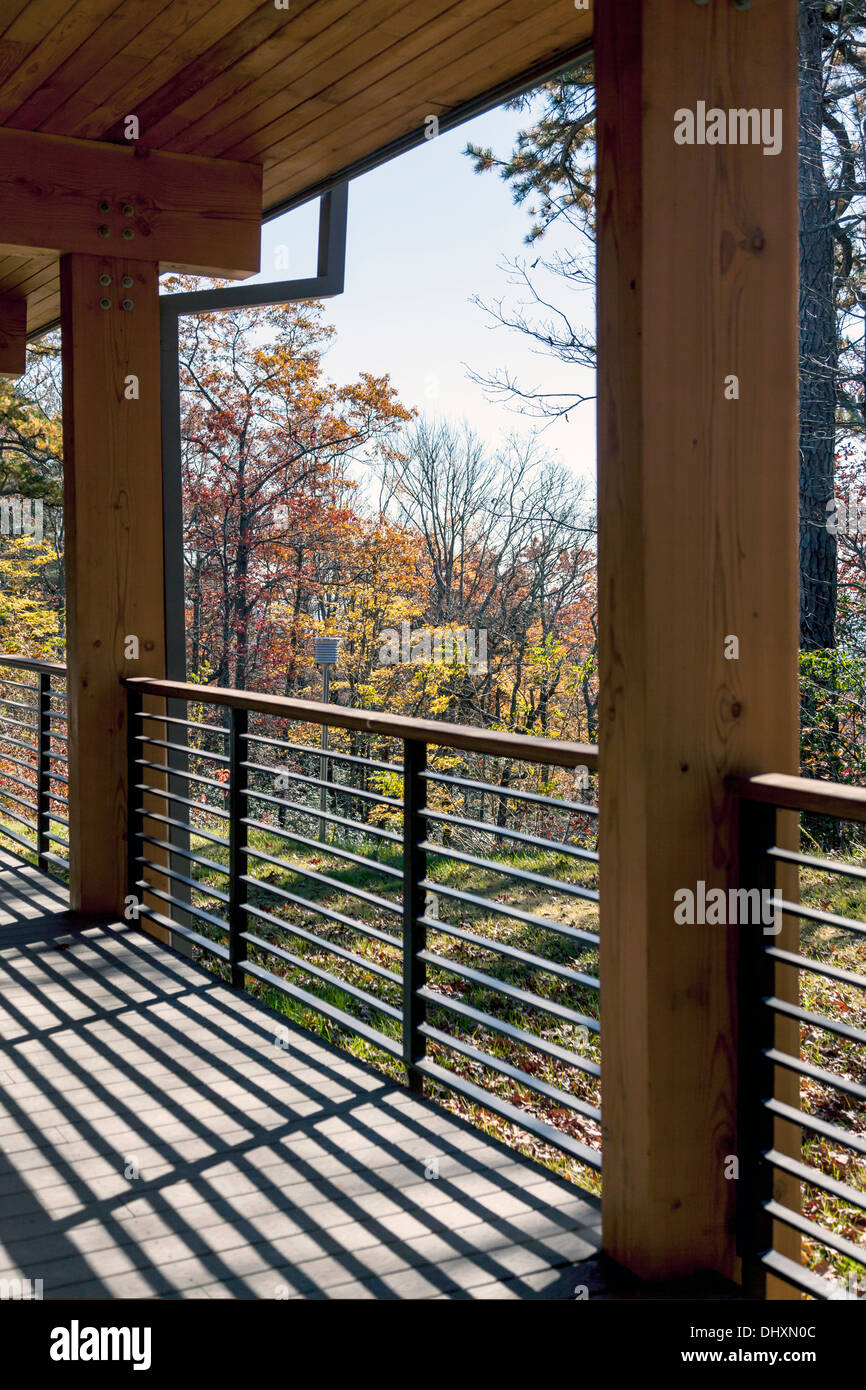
point(134, 798)
point(43, 769)
point(414, 900)
point(756, 1034)
point(238, 729)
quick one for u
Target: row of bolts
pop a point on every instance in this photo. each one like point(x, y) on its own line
point(128, 211)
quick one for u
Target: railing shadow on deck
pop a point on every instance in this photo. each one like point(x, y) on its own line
point(265, 1171)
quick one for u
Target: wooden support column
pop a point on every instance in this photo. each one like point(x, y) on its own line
point(114, 547)
point(697, 545)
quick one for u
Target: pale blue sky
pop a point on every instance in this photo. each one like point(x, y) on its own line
point(425, 234)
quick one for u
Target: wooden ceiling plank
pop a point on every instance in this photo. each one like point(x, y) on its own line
point(35, 20)
point(265, 71)
point(471, 48)
point(308, 74)
point(71, 27)
point(113, 37)
point(387, 63)
point(180, 68)
point(11, 10)
point(172, 40)
point(482, 69)
point(203, 215)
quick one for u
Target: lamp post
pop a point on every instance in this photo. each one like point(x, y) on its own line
point(327, 650)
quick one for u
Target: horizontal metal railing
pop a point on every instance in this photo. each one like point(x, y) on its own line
point(33, 744)
point(418, 887)
point(809, 1143)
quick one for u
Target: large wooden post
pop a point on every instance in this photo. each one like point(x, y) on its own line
point(82, 198)
point(114, 547)
point(697, 546)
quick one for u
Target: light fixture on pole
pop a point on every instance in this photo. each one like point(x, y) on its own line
point(327, 650)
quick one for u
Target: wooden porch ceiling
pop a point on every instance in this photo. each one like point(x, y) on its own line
point(307, 92)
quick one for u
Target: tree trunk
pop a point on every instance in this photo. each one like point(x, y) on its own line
point(817, 350)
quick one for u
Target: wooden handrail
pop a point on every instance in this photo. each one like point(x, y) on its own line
point(552, 752)
point(27, 663)
point(803, 794)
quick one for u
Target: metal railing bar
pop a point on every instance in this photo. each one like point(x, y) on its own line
point(490, 904)
point(17, 743)
point(797, 1275)
point(554, 802)
point(58, 820)
point(362, 827)
point(182, 825)
point(31, 706)
point(324, 849)
point(523, 996)
point(814, 914)
point(17, 762)
point(55, 757)
point(10, 815)
point(574, 890)
point(815, 1232)
point(829, 1025)
point(372, 898)
point(358, 792)
point(56, 859)
point(19, 839)
point(184, 853)
point(815, 1178)
point(198, 912)
point(28, 805)
point(19, 781)
point(804, 1068)
point(816, 967)
point(532, 1083)
point(805, 1121)
point(363, 996)
point(181, 748)
point(186, 724)
point(510, 1030)
point(202, 806)
point(5, 683)
point(176, 772)
point(330, 947)
point(7, 723)
point(522, 1118)
point(330, 913)
point(57, 776)
point(536, 841)
point(563, 972)
point(203, 888)
point(56, 839)
point(215, 947)
point(375, 763)
point(809, 861)
point(321, 1006)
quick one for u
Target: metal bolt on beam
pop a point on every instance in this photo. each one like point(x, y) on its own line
point(105, 278)
point(127, 234)
point(105, 303)
point(128, 304)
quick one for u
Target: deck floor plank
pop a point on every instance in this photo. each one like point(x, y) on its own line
point(265, 1171)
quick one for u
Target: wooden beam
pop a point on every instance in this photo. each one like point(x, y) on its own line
point(13, 335)
point(114, 548)
point(181, 212)
point(697, 544)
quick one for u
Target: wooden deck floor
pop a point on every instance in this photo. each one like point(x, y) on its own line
point(262, 1171)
